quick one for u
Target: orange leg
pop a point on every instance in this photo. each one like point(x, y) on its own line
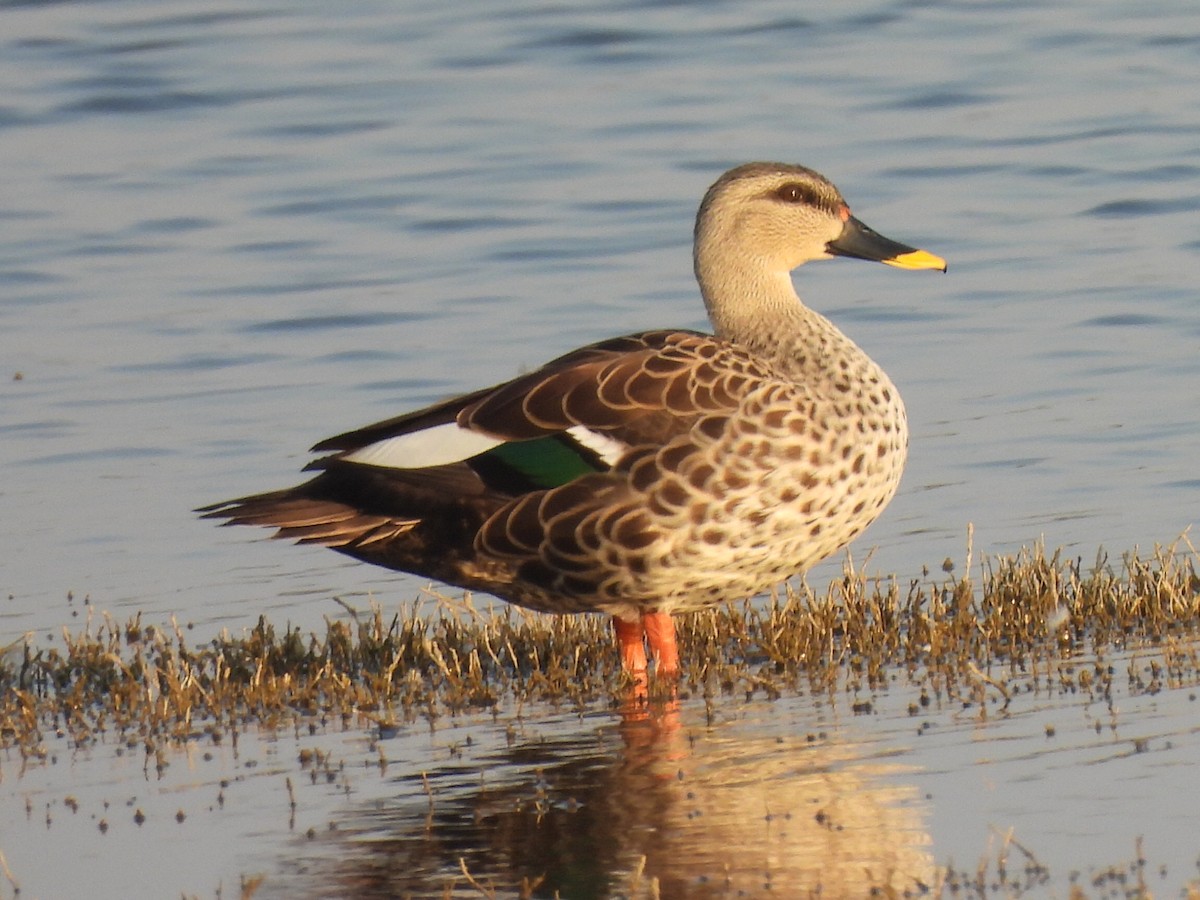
point(633, 651)
point(660, 633)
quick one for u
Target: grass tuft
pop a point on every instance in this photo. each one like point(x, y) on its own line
point(953, 636)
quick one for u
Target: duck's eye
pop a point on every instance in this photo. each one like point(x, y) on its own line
point(796, 193)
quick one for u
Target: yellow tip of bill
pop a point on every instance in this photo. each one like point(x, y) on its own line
point(917, 259)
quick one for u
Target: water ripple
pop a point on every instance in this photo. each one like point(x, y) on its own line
point(337, 320)
point(1143, 207)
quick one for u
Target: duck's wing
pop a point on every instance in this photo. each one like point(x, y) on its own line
point(466, 460)
point(579, 413)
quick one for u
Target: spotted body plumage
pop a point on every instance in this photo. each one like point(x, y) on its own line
point(648, 474)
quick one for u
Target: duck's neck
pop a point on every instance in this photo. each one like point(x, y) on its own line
point(760, 310)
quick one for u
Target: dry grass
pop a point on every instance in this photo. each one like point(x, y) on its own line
point(949, 636)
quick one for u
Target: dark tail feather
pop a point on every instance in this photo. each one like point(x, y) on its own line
point(309, 520)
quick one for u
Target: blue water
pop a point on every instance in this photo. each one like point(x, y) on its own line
point(228, 231)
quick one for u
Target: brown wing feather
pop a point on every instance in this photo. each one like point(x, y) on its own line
point(639, 388)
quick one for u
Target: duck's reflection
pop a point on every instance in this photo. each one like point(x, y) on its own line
point(706, 810)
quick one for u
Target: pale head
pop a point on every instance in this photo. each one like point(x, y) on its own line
point(779, 215)
point(760, 221)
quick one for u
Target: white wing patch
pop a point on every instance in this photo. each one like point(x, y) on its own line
point(608, 449)
point(436, 446)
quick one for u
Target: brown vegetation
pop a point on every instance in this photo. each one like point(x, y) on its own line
point(947, 636)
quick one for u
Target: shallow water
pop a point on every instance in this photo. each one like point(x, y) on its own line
point(229, 231)
point(734, 796)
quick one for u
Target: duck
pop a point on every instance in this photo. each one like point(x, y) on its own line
point(646, 475)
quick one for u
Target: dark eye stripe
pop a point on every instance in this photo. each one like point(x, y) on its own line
point(798, 193)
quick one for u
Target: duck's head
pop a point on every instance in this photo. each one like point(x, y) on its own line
point(774, 217)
